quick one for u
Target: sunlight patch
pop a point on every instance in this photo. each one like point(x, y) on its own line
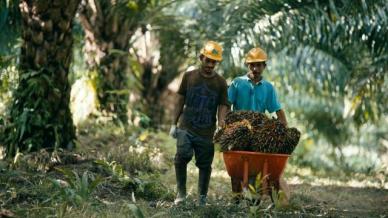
point(83, 100)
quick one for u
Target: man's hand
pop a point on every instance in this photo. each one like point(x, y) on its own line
point(282, 117)
point(173, 131)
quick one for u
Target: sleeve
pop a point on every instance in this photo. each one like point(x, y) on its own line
point(232, 92)
point(183, 87)
point(224, 94)
point(273, 101)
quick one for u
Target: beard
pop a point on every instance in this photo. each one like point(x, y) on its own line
point(256, 74)
point(208, 70)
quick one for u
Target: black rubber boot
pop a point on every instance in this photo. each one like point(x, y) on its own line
point(203, 185)
point(181, 177)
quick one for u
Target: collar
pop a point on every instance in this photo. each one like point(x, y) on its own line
point(249, 79)
point(202, 74)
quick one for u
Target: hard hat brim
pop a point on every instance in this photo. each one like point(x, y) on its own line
point(212, 57)
point(255, 61)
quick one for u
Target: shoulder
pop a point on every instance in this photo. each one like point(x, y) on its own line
point(221, 80)
point(191, 72)
point(240, 79)
point(268, 85)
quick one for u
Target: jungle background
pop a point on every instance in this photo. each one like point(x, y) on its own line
point(87, 88)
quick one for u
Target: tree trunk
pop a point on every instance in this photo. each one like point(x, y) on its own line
point(108, 28)
point(155, 79)
point(40, 114)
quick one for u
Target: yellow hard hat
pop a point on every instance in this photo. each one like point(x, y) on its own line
point(255, 55)
point(212, 50)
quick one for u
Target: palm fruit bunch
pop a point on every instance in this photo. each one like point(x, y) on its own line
point(234, 137)
point(253, 131)
point(256, 119)
point(292, 139)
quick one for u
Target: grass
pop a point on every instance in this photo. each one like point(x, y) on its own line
point(147, 180)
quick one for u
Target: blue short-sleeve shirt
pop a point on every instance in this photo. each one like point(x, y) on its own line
point(260, 97)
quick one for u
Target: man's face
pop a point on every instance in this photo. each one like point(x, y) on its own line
point(208, 64)
point(257, 68)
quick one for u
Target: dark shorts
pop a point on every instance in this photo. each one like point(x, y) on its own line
point(189, 144)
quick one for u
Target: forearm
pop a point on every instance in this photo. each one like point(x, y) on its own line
point(282, 116)
point(178, 109)
point(222, 110)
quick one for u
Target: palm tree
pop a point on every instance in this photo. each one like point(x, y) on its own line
point(108, 27)
point(166, 45)
point(40, 114)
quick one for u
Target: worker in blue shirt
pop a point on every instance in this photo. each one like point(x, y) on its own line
point(253, 93)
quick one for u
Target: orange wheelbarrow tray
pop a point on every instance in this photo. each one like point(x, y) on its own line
point(244, 164)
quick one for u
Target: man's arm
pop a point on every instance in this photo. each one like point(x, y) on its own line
point(178, 109)
point(281, 116)
point(232, 94)
point(222, 110)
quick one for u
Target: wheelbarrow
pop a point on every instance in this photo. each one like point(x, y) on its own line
point(244, 164)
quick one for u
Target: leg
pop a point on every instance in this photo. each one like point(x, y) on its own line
point(204, 154)
point(282, 190)
point(203, 184)
point(236, 189)
point(183, 155)
point(283, 186)
point(236, 185)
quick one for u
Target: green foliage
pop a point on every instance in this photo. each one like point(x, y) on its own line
point(30, 125)
point(76, 189)
point(146, 187)
point(163, 33)
point(316, 41)
point(8, 83)
point(254, 192)
point(119, 174)
point(253, 198)
point(320, 40)
point(10, 21)
point(204, 21)
point(361, 154)
point(172, 55)
point(153, 190)
point(136, 211)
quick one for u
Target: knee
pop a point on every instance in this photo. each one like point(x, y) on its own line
point(205, 167)
point(204, 164)
point(181, 159)
point(183, 155)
